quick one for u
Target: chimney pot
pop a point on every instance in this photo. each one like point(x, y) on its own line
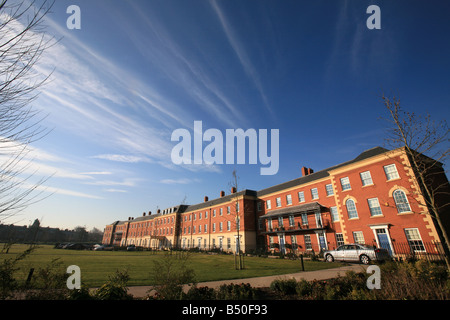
point(310, 171)
point(158, 211)
point(206, 198)
point(149, 213)
point(143, 214)
point(222, 194)
point(233, 189)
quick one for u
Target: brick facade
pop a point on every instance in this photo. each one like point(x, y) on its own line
point(372, 199)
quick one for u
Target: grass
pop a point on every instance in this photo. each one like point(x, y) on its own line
point(97, 266)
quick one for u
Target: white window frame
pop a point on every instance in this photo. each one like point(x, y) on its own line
point(329, 189)
point(374, 207)
point(391, 172)
point(345, 184)
point(314, 193)
point(349, 213)
point(301, 196)
point(366, 178)
point(288, 199)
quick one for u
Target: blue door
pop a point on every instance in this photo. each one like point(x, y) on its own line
point(383, 240)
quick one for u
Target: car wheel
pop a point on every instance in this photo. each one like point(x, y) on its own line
point(364, 259)
point(329, 258)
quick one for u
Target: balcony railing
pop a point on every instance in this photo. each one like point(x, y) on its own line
point(298, 227)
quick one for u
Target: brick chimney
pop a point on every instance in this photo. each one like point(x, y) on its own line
point(206, 199)
point(222, 194)
point(158, 211)
point(143, 214)
point(306, 171)
point(233, 189)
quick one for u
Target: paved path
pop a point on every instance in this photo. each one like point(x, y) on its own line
point(260, 282)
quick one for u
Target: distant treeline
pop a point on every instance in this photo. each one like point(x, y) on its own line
point(37, 234)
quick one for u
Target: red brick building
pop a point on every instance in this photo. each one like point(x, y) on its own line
point(373, 199)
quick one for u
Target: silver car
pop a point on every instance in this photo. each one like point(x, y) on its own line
point(356, 252)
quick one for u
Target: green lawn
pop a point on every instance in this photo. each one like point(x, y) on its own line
point(97, 266)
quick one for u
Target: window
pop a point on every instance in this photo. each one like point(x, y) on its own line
point(205, 228)
point(228, 243)
point(294, 242)
point(401, 201)
point(228, 210)
point(329, 189)
point(237, 206)
point(366, 178)
point(206, 215)
point(199, 215)
point(301, 196)
point(308, 245)
point(339, 239)
point(374, 207)
point(238, 223)
point(414, 240)
point(314, 193)
point(268, 204)
point(288, 199)
point(269, 223)
point(358, 237)
point(291, 221)
point(351, 209)
point(280, 222)
point(214, 227)
point(334, 214)
point(304, 219)
point(345, 183)
point(221, 211)
point(228, 225)
point(258, 206)
point(199, 228)
point(278, 202)
point(220, 226)
point(391, 172)
point(214, 212)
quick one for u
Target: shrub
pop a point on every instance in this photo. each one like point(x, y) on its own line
point(200, 293)
point(170, 274)
point(115, 288)
point(237, 292)
point(284, 287)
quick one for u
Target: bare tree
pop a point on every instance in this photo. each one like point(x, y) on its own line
point(22, 43)
point(426, 145)
point(236, 212)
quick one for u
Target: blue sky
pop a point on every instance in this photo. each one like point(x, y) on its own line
point(138, 70)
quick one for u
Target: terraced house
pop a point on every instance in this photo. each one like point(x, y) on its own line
point(373, 199)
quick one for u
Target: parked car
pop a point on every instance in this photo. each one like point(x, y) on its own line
point(131, 247)
point(104, 247)
point(356, 252)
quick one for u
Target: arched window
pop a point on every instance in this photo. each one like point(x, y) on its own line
point(351, 209)
point(401, 201)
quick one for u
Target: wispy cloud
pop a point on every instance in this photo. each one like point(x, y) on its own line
point(122, 158)
point(179, 181)
point(242, 54)
point(116, 191)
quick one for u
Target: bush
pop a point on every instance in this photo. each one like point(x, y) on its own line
point(237, 292)
point(200, 293)
point(115, 288)
point(284, 287)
